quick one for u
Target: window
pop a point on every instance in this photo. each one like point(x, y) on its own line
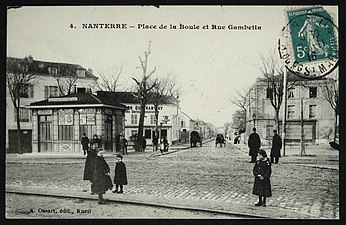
point(269, 93)
point(290, 93)
point(51, 91)
point(89, 130)
point(65, 132)
point(312, 111)
point(80, 72)
point(53, 70)
point(81, 90)
point(182, 123)
point(290, 111)
point(312, 92)
point(147, 134)
point(152, 119)
point(26, 91)
point(24, 114)
point(134, 119)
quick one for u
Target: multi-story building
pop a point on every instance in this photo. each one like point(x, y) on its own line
point(305, 105)
point(168, 119)
point(45, 85)
point(187, 124)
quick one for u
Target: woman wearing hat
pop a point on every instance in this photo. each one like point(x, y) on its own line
point(101, 179)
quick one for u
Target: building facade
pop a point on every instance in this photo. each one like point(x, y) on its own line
point(305, 107)
point(59, 123)
point(169, 123)
point(45, 85)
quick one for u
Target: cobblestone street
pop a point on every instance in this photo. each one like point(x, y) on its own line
point(204, 177)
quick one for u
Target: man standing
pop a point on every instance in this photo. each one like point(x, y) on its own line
point(155, 143)
point(85, 143)
point(254, 144)
point(276, 146)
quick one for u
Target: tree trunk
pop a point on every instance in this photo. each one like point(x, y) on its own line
point(277, 120)
point(335, 125)
point(139, 141)
point(18, 127)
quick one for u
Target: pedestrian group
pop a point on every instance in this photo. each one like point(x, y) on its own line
point(97, 170)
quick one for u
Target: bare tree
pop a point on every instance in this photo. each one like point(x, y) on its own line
point(18, 80)
point(330, 93)
point(111, 81)
point(243, 101)
point(272, 71)
point(163, 92)
point(143, 88)
point(66, 78)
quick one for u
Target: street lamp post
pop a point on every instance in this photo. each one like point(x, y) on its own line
point(254, 119)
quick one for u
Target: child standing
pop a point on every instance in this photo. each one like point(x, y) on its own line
point(262, 171)
point(101, 179)
point(120, 177)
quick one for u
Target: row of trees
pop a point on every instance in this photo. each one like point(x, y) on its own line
point(146, 88)
point(272, 74)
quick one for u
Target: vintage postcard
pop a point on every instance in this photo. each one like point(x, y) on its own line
point(172, 112)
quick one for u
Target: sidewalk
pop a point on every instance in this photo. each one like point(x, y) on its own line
point(318, 156)
point(79, 155)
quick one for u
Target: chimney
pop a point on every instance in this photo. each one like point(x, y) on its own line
point(90, 70)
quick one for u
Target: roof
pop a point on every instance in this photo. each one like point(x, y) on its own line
point(126, 97)
point(77, 99)
point(65, 69)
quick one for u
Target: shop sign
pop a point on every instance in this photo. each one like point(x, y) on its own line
point(87, 111)
point(108, 111)
point(66, 119)
point(65, 99)
point(45, 112)
point(67, 111)
point(87, 119)
point(91, 120)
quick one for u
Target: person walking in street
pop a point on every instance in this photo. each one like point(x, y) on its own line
point(85, 143)
point(262, 171)
point(164, 145)
point(120, 177)
point(123, 144)
point(254, 144)
point(155, 143)
point(101, 179)
point(276, 147)
point(144, 144)
point(89, 165)
point(95, 142)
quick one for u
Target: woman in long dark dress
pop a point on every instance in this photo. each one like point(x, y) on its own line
point(101, 179)
point(262, 172)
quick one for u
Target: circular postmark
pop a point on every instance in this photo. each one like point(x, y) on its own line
point(309, 43)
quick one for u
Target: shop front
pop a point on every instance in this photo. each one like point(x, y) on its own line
point(59, 123)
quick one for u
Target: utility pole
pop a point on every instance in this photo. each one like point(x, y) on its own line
point(284, 112)
point(302, 145)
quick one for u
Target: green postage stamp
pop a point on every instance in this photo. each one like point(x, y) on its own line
point(309, 43)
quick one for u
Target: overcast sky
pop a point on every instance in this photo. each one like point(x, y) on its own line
point(209, 64)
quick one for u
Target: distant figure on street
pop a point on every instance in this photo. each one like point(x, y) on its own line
point(164, 145)
point(101, 179)
point(120, 177)
point(262, 171)
point(85, 143)
point(123, 144)
point(254, 144)
point(276, 146)
point(155, 143)
point(144, 144)
point(95, 142)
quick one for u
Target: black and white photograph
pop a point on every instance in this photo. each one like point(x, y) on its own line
point(172, 112)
